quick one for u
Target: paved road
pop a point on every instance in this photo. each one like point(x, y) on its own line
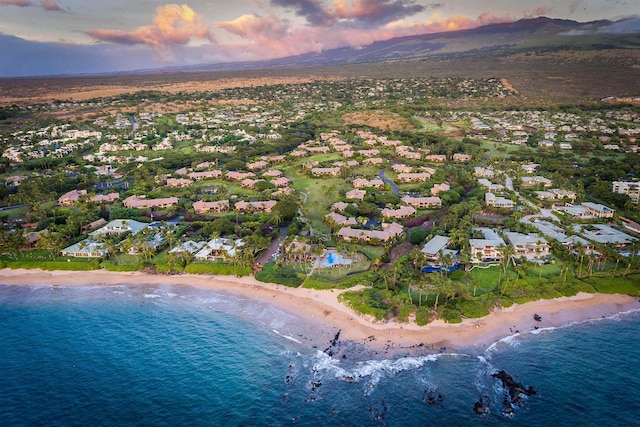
point(267, 256)
point(393, 185)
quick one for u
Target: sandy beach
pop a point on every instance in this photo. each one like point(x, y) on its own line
point(323, 307)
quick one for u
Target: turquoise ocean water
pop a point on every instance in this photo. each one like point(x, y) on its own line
point(135, 355)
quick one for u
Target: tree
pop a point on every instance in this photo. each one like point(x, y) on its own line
point(581, 253)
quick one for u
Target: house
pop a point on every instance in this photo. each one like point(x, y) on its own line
point(87, 248)
point(487, 249)
point(402, 212)
point(598, 210)
point(631, 189)
point(273, 173)
point(605, 234)
point(530, 181)
point(356, 194)
point(373, 161)
point(337, 219)
point(489, 186)
point(439, 158)
point(93, 225)
point(259, 165)
point(105, 198)
point(259, 206)
point(300, 251)
point(361, 183)
point(325, 171)
point(480, 172)
point(250, 183)
point(178, 182)
point(119, 226)
point(369, 153)
point(239, 176)
point(546, 143)
point(71, 197)
point(440, 188)
point(530, 168)
point(200, 176)
point(530, 246)
point(422, 202)
point(201, 207)
point(141, 202)
point(414, 177)
point(459, 157)
point(433, 247)
point(189, 246)
point(281, 182)
point(219, 248)
point(401, 168)
point(388, 232)
point(498, 202)
point(339, 206)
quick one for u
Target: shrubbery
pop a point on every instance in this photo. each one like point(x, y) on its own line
point(217, 268)
point(272, 273)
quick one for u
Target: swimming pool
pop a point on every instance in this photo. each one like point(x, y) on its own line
point(332, 258)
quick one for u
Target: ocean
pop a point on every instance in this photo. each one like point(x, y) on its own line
point(167, 356)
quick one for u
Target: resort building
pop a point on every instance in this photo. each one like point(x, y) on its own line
point(605, 234)
point(356, 194)
point(388, 232)
point(141, 202)
point(422, 202)
point(259, 206)
point(460, 157)
point(433, 247)
point(178, 182)
point(438, 188)
point(238, 176)
point(189, 247)
point(259, 165)
point(598, 210)
point(201, 207)
point(400, 213)
point(105, 198)
point(498, 202)
point(362, 183)
point(631, 189)
point(530, 181)
point(200, 176)
point(439, 158)
point(487, 249)
point(119, 226)
point(530, 246)
point(325, 171)
point(71, 197)
point(218, 249)
point(414, 177)
point(87, 248)
point(337, 219)
point(489, 186)
point(480, 172)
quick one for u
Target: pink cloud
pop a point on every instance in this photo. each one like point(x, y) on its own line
point(267, 37)
point(19, 3)
point(51, 6)
point(173, 25)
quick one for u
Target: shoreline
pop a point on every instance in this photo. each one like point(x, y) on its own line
point(323, 309)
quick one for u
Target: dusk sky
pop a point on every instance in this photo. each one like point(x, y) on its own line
point(42, 37)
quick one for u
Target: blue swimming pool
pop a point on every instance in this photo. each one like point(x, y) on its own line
point(331, 259)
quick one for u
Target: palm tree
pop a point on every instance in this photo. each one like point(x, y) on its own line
point(581, 253)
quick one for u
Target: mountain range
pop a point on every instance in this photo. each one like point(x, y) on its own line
point(522, 36)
